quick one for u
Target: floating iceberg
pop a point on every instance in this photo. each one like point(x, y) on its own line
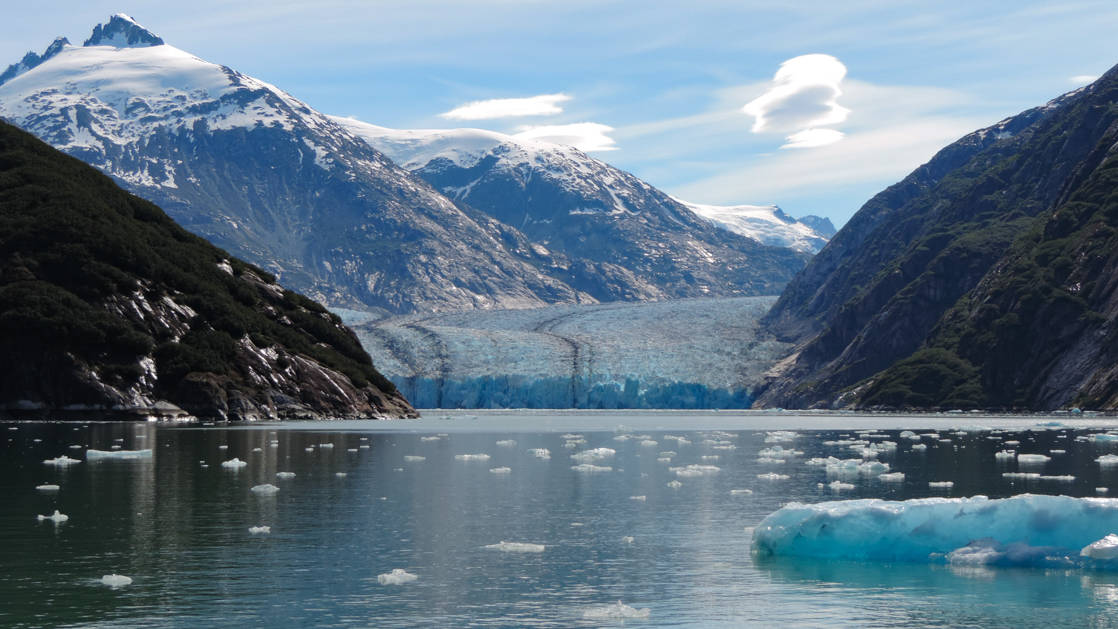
point(617, 611)
point(233, 464)
point(411, 458)
point(91, 455)
point(1107, 460)
point(285, 475)
point(591, 468)
point(471, 457)
point(773, 476)
point(741, 492)
point(47, 487)
point(1032, 459)
point(500, 470)
point(267, 489)
point(259, 530)
point(591, 456)
point(628, 539)
point(892, 477)
point(399, 576)
point(516, 547)
point(638, 498)
point(62, 461)
point(941, 484)
point(507, 443)
point(116, 580)
point(840, 486)
point(1006, 455)
point(694, 471)
point(919, 447)
point(540, 453)
point(56, 517)
point(674, 484)
point(1054, 531)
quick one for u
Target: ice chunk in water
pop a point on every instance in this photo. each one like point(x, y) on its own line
point(411, 458)
point(1021, 475)
point(48, 487)
point(840, 486)
point(267, 489)
point(399, 576)
point(1105, 548)
point(649, 443)
point(56, 517)
point(591, 468)
point(500, 470)
point(540, 453)
point(694, 471)
point(340, 474)
point(285, 475)
point(741, 492)
point(62, 461)
point(430, 438)
point(1032, 459)
point(591, 456)
point(773, 476)
point(516, 547)
point(617, 611)
point(892, 477)
point(674, 484)
point(471, 457)
point(233, 464)
point(1005, 455)
point(919, 447)
point(944, 484)
point(1107, 460)
point(1102, 490)
point(638, 498)
point(116, 580)
point(507, 443)
point(628, 539)
point(326, 445)
point(259, 530)
point(91, 455)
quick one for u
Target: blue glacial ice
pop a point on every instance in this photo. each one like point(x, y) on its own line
point(1024, 530)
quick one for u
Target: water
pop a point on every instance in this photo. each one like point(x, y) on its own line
point(180, 530)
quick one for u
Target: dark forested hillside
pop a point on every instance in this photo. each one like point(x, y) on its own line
point(984, 279)
point(106, 304)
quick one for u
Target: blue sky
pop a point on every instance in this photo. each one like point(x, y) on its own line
point(668, 79)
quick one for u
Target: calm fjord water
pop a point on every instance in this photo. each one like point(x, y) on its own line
point(179, 527)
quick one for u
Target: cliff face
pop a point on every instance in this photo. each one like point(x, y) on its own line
point(108, 307)
point(955, 281)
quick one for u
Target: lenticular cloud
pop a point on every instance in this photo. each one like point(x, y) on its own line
point(803, 97)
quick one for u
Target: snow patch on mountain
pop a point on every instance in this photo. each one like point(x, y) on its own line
point(765, 223)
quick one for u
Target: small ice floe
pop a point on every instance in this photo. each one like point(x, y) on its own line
point(942, 484)
point(326, 445)
point(892, 477)
point(500, 470)
point(258, 449)
point(47, 487)
point(223, 447)
point(516, 547)
point(590, 468)
point(908, 434)
point(778, 452)
point(695, 471)
point(622, 438)
point(62, 461)
point(411, 458)
point(664, 459)
point(1102, 490)
point(773, 476)
point(1104, 437)
point(1021, 475)
point(116, 580)
point(351, 449)
point(770, 461)
point(741, 492)
point(540, 453)
point(308, 449)
point(1012, 442)
point(267, 489)
point(570, 435)
point(596, 454)
point(397, 469)
point(340, 474)
point(1055, 451)
point(1005, 455)
point(75, 447)
point(1066, 478)
point(649, 443)
point(674, 484)
point(471, 457)
point(1105, 549)
point(56, 517)
point(399, 576)
point(506, 443)
point(363, 446)
point(430, 438)
point(1107, 460)
point(233, 464)
point(728, 446)
point(780, 436)
point(710, 457)
point(919, 447)
point(617, 611)
point(92, 455)
point(259, 530)
point(638, 498)
point(285, 475)
point(628, 539)
point(840, 486)
point(1032, 459)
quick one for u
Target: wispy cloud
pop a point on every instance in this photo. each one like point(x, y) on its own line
point(803, 97)
point(542, 105)
point(1083, 79)
point(584, 136)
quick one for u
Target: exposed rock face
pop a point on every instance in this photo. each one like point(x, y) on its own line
point(109, 309)
point(977, 281)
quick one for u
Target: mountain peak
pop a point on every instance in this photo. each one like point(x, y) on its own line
point(31, 60)
point(122, 31)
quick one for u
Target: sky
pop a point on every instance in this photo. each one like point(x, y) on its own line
point(813, 106)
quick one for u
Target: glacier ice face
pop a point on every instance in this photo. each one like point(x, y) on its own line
point(1022, 530)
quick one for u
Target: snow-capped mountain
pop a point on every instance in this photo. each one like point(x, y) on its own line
point(263, 175)
point(584, 209)
point(765, 223)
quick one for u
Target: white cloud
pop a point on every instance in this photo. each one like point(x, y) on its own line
point(584, 136)
point(811, 138)
point(542, 105)
point(1083, 79)
point(803, 96)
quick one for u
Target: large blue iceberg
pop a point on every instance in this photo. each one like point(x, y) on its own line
point(1024, 530)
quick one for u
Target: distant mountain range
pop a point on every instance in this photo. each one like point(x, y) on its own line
point(256, 171)
point(987, 278)
point(108, 309)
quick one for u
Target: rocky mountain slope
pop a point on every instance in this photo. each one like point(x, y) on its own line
point(983, 279)
point(635, 242)
point(108, 308)
point(255, 171)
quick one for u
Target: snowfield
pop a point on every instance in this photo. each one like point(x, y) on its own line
point(696, 353)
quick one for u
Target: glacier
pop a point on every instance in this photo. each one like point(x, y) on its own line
point(1022, 530)
point(687, 354)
